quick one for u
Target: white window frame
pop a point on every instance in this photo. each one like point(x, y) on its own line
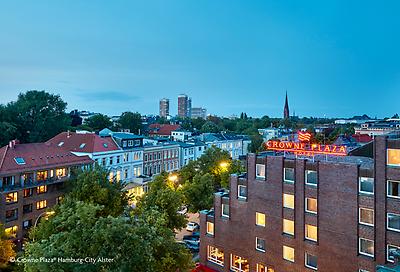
point(387, 252)
point(306, 178)
point(211, 258)
point(287, 207)
point(284, 175)
point(305, 233)
point(359, 217)
point(387, 188)
point(232, 268)
point(359, 247)
point(259, 249)
point(387, 157)
point(238, 192)
point(222, 210)
point(365, 192)
point(257, 176)
point(362, 270)
point(307, 265)
point(209, 223)
point(306, 205)
point(265, 221)
point(387, 222)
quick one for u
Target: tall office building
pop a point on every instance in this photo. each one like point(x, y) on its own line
point(199, 113)
point(164, 107)
point(184, 105)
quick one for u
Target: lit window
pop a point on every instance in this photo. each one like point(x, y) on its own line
point(288, 201)
point(391, 251)
point(41, 189)
point(288, 175)
point(393, 157)
point(393, 188)
point(242, 192)
point(288, 253)
point(260, 219)
point(239, 264)
point(366, 247)
point(210, 228)
point(263, 268)
point(288, 226)
point(311, 233)
point(260, 171)
point(260, 244)
point(11, 231)
point(41, 204)
point(366, 185)
point(59, 199)
point(28, 192)
point(41, 175)
point(393, 221)
point(311, 261)
point(215, 255)
point(225, 210)
point(366, 216)
point(311, 177)
point(61, 172)
point(12, 197)
point(311, 205)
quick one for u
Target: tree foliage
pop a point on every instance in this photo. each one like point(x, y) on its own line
point(199, 193)
point(131, 121)
point(98, 122)
point(6, 249)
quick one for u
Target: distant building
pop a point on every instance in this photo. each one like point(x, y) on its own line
point(184, 106)
point(354, 120)
point(180, 135)
point(199, 113)
point(286, 108)
point(164, 107)
point(269, 133)
point(190, 151)
point(381, 127)
point(160, 157)
point(162, 130)
point(236, 145)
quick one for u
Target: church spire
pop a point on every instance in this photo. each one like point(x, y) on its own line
point(286, 108)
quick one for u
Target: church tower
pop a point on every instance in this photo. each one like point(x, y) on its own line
point(286, 108)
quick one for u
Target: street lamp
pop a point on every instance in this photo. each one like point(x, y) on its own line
point(173, 177)
point(47, 213)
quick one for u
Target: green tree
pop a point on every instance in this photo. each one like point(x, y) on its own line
point(131, 121)
point(210, 126)
point(256, 143)
point(98, 122)
point(6, 249)
point(199, 193)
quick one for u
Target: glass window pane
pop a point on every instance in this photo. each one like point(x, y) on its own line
point(288, 201)
point(393, 221)
point(288, 174)
point(288, 253)
point(366, 216)
point(288, 226)
point(366, 185)
point(311, 177)
point(393, 157)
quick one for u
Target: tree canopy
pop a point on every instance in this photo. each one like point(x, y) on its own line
point(131, 121)
point(98, 122)
point(6, 249)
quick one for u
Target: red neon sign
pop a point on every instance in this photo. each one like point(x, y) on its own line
point(304, 136)
point(307, 149)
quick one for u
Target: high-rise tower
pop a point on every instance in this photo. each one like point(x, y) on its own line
point(184, 106)
point(164, 107)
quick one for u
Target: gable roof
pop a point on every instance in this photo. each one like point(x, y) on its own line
point(35, 156)
point(162, 129)
point(83, 142)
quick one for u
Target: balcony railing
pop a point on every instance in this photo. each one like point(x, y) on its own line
point(30, 183)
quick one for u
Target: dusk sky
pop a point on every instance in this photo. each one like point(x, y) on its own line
point(335, 58)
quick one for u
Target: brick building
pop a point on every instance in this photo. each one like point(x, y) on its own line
point(32, 179)
point(160, 157)
point(291, 214)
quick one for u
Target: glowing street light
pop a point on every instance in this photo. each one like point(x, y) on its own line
point(224, 165)
point(173, 177)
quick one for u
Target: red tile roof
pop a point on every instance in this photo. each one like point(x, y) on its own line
point(162, 129)
point(362, 138)
point(83, 142)
point(36, 156)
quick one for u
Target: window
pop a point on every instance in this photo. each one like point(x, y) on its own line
point(260, 244)
point(11, 231)
point(393, 221)
point(366, 185)
point(362, 270)
point(19, 160)
point(288, 201)
point(393, 157)
point(263, 268)
point(311, 233)
point(210, 228)
point(82, 145)
point(103, 161)
point(12, 197)
point(118, 159)
point(311, 177)
point(239, 264)
point(311, 261)
point(28, 192)
point(311, 205)
point(366, 216)
point(242, 192)
point(393, 188)
point(125, 173)
point(41, 189)
point(111, 160)
point(260, 171)
point(59, 199)
point(288, 226)
point(41, 175)
point(391, 250)
point(27, 224)
point(366, 247)
point(225, 210)
point(61, 172)
point(27, 208)
point(260, 219)
point(288, 175)
point(288, 253)
point(215, 255)
point(11, 215)
point(41, 204)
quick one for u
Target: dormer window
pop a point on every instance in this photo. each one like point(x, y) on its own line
point(19, 160)
point(105, 145)
point(82, 145)
point(60, 144)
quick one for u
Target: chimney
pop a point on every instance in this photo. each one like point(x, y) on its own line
point(13, 143)
point(68, 133)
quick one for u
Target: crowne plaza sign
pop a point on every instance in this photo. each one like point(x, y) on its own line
point(307, 149)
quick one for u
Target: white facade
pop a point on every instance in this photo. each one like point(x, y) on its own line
point(180, 135)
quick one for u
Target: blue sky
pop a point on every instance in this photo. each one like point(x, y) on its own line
point(335, 58)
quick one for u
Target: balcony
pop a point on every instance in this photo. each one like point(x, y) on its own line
point(31, 183)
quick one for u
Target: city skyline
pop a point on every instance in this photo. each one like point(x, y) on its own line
point(334, 59)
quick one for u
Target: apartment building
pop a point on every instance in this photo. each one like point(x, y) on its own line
point(160, 157)
point(235, 145)
point(32, 178)
point(325, 213)
point(190, 151)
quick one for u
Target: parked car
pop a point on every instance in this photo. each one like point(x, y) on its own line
point(192, 246)
point(192, 226)
point(191, 239)
point(183, 210)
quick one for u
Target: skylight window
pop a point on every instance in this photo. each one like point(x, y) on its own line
point(19, 160)
point(82, 146)
point(60, 143)
point(105, 145)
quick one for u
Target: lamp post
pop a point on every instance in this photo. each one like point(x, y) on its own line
point(47, 213)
